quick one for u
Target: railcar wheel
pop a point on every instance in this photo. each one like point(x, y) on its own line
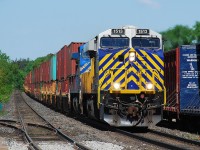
point(76, 105)
point(90, 108)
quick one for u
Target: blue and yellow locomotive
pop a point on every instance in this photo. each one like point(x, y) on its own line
point(120, 77)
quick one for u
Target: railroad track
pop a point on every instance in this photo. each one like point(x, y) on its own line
point(35, 128)
point(163, 140)
point(157, 138)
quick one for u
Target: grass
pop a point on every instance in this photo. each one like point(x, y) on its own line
point(2, 113)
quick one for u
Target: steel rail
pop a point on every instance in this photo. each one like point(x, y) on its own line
point(175, 137)
point(155, 142)
point(152, 141)
point(30, 124)
point(32, 145)
point(59, 132)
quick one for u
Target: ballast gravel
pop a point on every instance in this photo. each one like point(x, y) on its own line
point(87, 135)
point(12, 144)
point(96, 145)
point(6, 130)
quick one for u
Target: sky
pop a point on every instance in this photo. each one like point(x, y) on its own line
point(35, 28)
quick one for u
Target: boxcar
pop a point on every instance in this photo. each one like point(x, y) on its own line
point(182, 76)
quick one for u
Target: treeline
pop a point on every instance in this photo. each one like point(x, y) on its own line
point(12, 72)
point(181, 35)
point(8, 80)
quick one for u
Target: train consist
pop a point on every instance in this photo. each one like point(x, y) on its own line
point(182, 81)
point(117, 77)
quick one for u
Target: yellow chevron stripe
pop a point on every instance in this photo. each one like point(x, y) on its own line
point(152, 61)
point(107, 65)
point(132, 78)
point(123, 76)
point(104, 59)
point(117, 72)
point(147, 75)
point(116, 64)
point(158, 59)
point(109, 62)
point(148, 67)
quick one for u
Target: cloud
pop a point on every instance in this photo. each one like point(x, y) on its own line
point(151, 3)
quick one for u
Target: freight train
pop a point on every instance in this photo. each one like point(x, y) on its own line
point(117, 77)
point(182, 81)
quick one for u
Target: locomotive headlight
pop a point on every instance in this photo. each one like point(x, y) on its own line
point(132, 56)
point(116, 85)
point(149, 86)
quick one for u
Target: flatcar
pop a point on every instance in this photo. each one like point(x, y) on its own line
point(117, 77)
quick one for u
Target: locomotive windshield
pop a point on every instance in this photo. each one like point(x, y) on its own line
point(114, 42)
point(146, 42)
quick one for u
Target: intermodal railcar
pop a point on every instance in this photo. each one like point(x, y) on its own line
point(117, 77)
point(182, 74)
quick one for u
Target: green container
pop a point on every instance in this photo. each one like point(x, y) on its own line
point(1, 106)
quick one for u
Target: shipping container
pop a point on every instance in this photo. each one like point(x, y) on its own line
point(71, 64)
point(61, 58)
point(41, 72)
point(182, 74)
point(32, 76)
point(45, 71)
point(48, 63)
point(64, 87)
point(53, 65)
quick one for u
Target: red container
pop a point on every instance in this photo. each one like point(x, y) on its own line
point(32, 86)
point(70, 65)
point(28, 79)
point(61, 58)
point(48, 70)
point(171, 78)
point(35, 75)
point(64, 87)
point(44, 71)
point(63, 62)
point(38, 75)
point(41, 72)
point(58, 65)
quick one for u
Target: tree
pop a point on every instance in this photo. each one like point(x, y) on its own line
point(196, 31)
point(5, 77)
point(179, 35)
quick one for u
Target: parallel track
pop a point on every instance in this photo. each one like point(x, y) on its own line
point(156, 138)
point(32, 132)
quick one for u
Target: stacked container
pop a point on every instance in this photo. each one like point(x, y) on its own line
point(71, 64)
point(61, 58)
point(53, 67)
point(45, 68)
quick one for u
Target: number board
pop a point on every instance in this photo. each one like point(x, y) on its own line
point(142, 32)
point(118, 32)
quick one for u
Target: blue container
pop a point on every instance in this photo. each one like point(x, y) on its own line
point(189, 79)
point(53, 67)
